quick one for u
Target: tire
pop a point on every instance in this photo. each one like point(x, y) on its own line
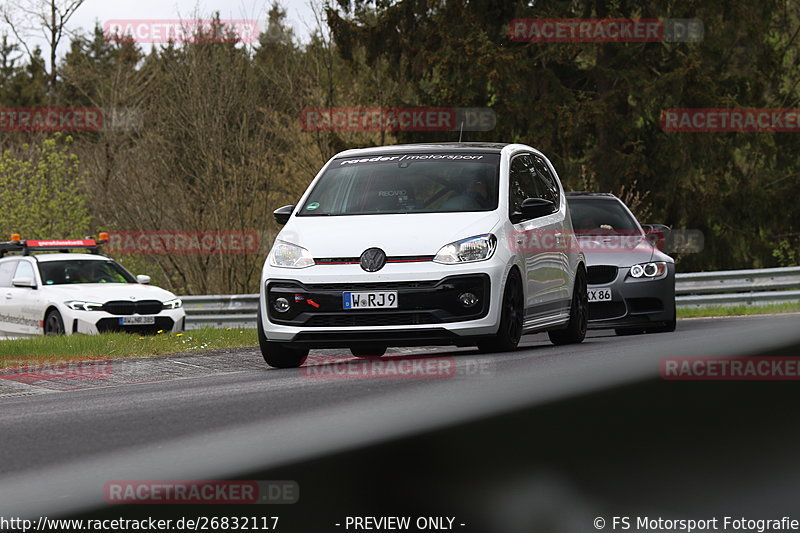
point(575, 331)
point(279, 355)
point(368, 351)
point(53, 323)
point(511, 315)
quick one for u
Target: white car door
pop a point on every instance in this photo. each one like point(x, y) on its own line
point(27, 299)
point(7, 313)
point(550, 189)
point(19, 304)
point(537, 239)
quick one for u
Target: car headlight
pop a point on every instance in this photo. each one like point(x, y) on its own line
point(287, 255)
point(648, 270)
point(173, 304)
point(79, 305)
point(477, 248)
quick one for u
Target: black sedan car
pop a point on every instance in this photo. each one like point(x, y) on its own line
point(631, 282)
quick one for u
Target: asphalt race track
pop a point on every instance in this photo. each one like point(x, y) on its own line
point(219, 415)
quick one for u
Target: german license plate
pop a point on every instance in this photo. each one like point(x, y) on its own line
point(137, 320)
point(370, 300)
point(599, 295)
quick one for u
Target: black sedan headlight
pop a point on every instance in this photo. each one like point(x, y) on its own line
point(652, 270)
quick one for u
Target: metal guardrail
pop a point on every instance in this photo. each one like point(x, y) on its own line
point(762, 286)
point(728, 281)
point(697, 289)
point(221, 311)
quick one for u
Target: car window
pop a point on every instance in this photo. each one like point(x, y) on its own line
point(6, 272)
point(24, 270)
point(548, 188)
point(521, 182)
point(408, 183)
point(597, 216)
point(83, 271)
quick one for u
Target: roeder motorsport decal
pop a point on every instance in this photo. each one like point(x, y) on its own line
point(410, 157)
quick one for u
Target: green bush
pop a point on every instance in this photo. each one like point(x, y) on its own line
point(42, 193)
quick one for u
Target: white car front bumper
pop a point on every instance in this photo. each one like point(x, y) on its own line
point(427, 310)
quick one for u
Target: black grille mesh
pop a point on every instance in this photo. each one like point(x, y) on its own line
point(599, 274)
point(143, 307)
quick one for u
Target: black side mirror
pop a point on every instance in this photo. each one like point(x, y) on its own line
point(656, 234)
point(282, 214)
point(656, 228)
point(535, 208)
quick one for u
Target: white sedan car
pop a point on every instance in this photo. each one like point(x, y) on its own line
point(67, 293)
point(459, 244)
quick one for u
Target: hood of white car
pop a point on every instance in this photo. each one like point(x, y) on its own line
point(104, 292)
point(396, 235)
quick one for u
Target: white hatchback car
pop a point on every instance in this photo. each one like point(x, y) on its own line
point(66, 293)
point(426, 244)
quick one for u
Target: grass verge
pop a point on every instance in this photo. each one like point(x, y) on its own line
point(47, 349)
point(737, 310)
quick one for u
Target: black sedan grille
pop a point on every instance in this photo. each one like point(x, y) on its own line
point(143, 307)
point(600, 274)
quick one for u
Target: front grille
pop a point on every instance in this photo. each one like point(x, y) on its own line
point(372, 319)
point(600, 274)
point(122, 307)
point(606, 310)
point(111, 325)
point(418, 302)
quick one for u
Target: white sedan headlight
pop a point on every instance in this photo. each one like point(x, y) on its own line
point(477, 248)
point(79, 305)
point(648, 270)
point(287, 255)
point(173, 304)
